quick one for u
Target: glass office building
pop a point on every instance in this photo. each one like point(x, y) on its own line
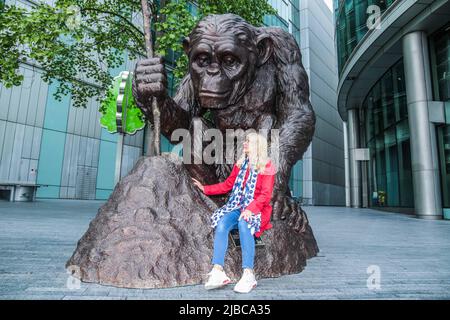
point(393, 94)
point(51, 143)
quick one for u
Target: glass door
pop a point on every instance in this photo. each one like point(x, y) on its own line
point(444, 162)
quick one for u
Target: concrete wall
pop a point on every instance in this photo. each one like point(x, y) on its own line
point(323, 163)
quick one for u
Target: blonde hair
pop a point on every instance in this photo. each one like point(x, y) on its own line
point(258, 155)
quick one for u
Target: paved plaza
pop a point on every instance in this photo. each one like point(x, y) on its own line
point(410, 256)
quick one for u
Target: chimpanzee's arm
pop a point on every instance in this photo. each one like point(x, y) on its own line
point(295, 117)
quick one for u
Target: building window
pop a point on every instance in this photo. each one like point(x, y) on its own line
point(440, 61)
point(387, 136)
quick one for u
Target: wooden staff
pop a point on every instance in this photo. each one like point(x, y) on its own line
point(149, 49)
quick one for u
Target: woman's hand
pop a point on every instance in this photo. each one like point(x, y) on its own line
point(198, 184)
point(246, 214)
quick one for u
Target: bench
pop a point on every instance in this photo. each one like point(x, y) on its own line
point(19, 191)
point(234, 236)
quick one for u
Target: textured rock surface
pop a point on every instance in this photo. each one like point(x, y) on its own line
point(154, 232)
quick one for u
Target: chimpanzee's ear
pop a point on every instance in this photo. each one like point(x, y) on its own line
point(186, 44)
point(265, 48)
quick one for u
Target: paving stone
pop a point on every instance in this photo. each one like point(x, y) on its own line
point(413, 255)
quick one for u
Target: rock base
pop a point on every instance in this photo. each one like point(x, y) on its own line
point(154, 232)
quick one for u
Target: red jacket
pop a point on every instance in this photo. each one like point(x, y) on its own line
point(262, 196)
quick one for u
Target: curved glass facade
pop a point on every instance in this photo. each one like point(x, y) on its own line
point(387, 137)
point(351, 24)
point(440, 65)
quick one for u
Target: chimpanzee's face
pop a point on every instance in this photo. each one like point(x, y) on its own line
point(221, 68)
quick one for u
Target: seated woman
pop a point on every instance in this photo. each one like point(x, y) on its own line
point(248, 209)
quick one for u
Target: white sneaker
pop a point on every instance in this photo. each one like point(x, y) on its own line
point(247, 282)
point(217, 279)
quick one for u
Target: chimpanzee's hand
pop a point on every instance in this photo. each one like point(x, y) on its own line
point(149, 81)
point(284, 207)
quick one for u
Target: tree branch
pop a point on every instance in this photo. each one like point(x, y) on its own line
point(116, 15)
point(136, 37)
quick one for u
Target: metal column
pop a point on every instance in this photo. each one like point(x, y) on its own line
point(347, 166)
point(355, 169)
point(425, 171)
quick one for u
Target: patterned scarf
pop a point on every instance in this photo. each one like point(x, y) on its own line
point(241, 199)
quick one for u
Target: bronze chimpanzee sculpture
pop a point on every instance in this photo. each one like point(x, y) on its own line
point(153, 230)
point(248, 77)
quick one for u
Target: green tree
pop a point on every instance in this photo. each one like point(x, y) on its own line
point(78, 42)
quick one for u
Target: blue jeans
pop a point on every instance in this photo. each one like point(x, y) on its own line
point(227, 223)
